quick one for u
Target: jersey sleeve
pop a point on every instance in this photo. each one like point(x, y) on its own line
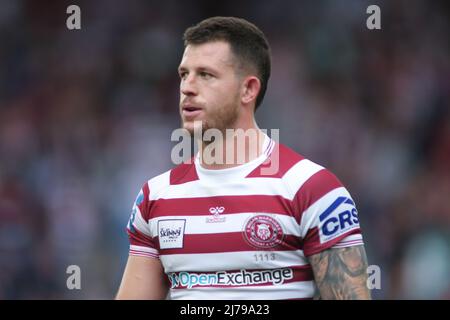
point(328, 215)
point(142, 241)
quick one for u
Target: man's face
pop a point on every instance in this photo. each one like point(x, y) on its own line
point(209, 86)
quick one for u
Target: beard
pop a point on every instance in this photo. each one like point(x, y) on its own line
point(221, 119)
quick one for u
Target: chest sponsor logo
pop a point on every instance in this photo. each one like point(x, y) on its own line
point(226, 278)
point(263, 232)
point(171, 233)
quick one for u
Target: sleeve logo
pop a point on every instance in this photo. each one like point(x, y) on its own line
point(340, 217)
point(137, 202)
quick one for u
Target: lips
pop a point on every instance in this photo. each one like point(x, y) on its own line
point(190, 111)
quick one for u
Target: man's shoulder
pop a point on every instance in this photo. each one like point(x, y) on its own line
point(302, 173)
point(292, 160)
point(282, 162)
point(288, 155)
point(178, 174)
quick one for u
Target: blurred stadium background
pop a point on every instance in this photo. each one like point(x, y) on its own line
point(86, 118)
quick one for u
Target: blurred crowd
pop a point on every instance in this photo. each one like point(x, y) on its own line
point(86, 117)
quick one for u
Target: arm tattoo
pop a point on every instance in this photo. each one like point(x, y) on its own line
point(340, 273)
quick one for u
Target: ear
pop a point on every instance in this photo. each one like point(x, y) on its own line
point(250, 89)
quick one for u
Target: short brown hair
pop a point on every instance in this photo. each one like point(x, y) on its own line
point(247, 42)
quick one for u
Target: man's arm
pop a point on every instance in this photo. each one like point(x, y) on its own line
point(341, 273)
point(143, 279)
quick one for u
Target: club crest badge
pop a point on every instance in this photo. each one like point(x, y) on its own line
point(263, 232)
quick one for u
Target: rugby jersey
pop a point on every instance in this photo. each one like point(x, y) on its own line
point(243, 232)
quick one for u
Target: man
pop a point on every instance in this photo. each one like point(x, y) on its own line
point(227, 230)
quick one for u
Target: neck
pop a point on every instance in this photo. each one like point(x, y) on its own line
point(232, 148)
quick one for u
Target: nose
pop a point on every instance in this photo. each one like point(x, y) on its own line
point(188, 86)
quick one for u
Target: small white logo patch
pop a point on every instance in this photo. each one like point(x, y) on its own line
point(171, 233)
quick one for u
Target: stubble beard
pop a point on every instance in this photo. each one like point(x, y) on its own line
point(222, 119)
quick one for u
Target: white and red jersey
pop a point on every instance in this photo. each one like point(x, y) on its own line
point(239, 233)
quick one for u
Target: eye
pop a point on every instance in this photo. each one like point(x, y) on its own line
point(183, 74)
point(205, 75)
